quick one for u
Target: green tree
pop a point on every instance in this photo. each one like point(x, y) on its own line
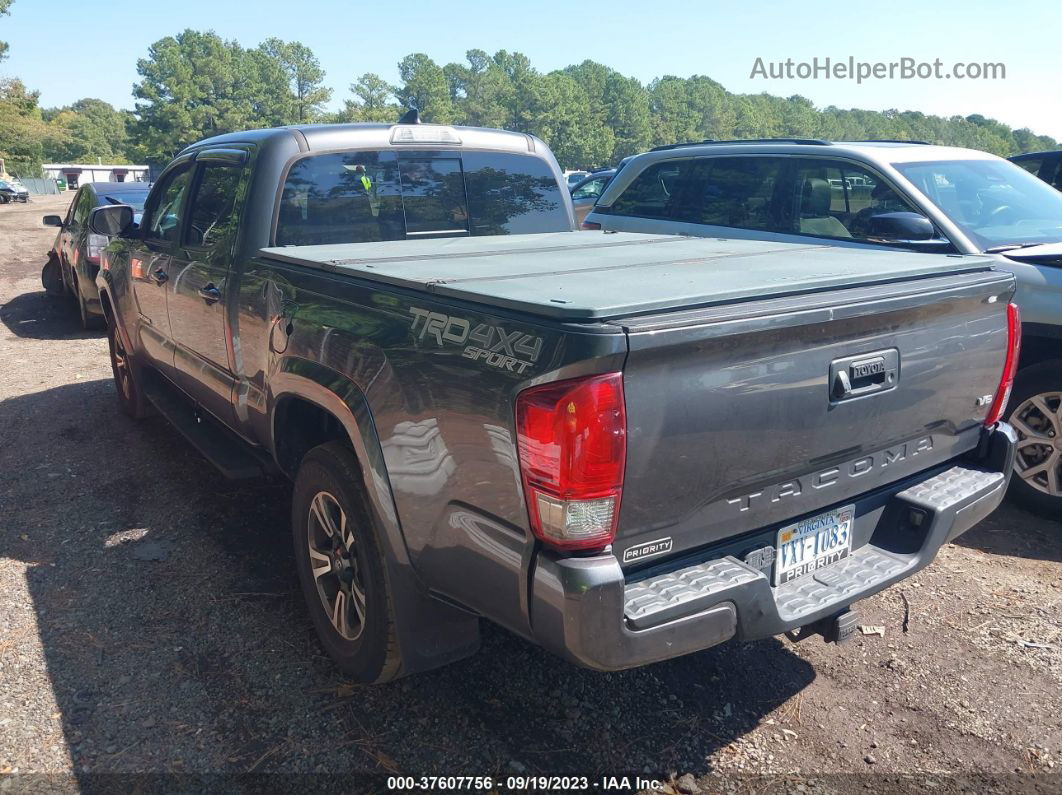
point(618, 103)
point(22, 129)
point(481, 91)
point(5, 6)
point(372, 100)
point(559, 113)
point(628, 115)
point(425, 88)
point(193, 86)
point(87, 130)
point(305, 77)
point(272, 103)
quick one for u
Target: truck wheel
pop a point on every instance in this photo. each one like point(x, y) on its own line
point(1036, 413)
point(130, 396)
point(340, 567)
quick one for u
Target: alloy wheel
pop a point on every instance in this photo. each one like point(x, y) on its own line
point(334, 565)
point(1038, 462)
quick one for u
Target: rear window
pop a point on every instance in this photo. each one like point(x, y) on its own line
point(134, 200)
point(357, 197)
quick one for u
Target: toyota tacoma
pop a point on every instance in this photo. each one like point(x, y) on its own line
point(622, 447)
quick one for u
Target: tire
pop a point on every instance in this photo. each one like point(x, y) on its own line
point(1035, 411)
point(131, 398)
point(52, 278)
point(328, 505)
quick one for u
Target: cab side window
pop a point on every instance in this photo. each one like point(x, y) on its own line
point(165, 207)
point(213, 210)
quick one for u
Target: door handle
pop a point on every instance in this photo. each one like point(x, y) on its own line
point(210, 294)
point(159, 276)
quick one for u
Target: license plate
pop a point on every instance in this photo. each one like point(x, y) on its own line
point(812, 544)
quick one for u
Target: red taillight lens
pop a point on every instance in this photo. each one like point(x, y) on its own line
point(590, 225)
point(1010, 365)
point(572, 438)
point(96, 244)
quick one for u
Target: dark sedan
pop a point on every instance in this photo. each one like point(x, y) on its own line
point(77, 250)
point(11, 190)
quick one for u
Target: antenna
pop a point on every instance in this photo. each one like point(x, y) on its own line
point(411, 116)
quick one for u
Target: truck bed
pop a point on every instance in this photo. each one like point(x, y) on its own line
point(588, 276)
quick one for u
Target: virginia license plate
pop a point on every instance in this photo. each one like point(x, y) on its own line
point(813, 543)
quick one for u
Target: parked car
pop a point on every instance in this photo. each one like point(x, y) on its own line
point(586, 191)
point(11, 190)
point(77, 251)
point(574, 176)
point(624, 448)
point(880, 194)
point(1045, 165)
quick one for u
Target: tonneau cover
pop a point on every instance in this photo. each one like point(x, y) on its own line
point(589, 275)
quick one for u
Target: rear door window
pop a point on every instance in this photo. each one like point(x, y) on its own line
point(167, 206)
point(357, 197)
point(732, 191)
point(212, 213)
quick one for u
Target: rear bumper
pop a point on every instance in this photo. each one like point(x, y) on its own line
point(586, 611)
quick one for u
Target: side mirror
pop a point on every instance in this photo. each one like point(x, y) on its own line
point(114, 220)
point(901, 227)
point(52, 220)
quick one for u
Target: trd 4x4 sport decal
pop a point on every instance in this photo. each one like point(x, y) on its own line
point(514, 351)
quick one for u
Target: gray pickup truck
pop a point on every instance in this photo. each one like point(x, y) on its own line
point(622, 447)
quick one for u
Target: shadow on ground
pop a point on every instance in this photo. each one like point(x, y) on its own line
point(38, 316)
point(1014, 531)
point(176, 640)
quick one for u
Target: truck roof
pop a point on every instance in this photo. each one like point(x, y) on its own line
point(588, 276)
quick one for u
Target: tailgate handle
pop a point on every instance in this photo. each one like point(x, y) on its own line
point(865, 374)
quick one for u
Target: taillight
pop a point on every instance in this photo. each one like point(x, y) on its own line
point(96, 244)
point(1010, 365)
point(590, 225)
point(572, 438)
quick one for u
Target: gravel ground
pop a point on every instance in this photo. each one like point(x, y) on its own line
point(150, 623)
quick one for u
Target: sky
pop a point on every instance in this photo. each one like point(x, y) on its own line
point(645, 39)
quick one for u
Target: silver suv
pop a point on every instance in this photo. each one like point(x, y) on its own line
point(900, 194)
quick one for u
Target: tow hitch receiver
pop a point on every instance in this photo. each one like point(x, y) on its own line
point(834, 629)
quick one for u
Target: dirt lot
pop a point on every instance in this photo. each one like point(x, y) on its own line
point(149, 622)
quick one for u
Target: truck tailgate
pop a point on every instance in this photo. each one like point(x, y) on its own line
point(738, 420)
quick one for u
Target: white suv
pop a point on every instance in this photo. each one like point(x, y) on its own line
point(901, 194)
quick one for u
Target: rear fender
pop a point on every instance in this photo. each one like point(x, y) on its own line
point(430, 632)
